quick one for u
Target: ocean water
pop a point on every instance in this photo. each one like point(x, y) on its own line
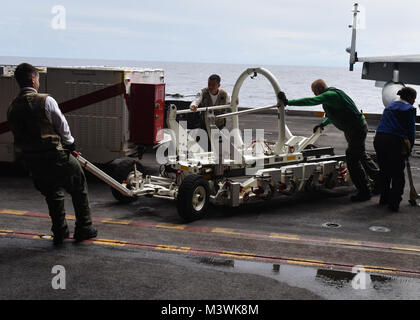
point(187, 79)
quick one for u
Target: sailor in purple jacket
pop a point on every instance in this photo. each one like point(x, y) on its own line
point(393, 142)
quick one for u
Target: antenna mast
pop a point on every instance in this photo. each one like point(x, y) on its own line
point(352, 49)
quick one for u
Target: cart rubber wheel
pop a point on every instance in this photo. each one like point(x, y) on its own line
point(120, 172)
point(193, 198)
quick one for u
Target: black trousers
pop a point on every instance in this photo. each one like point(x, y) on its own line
point(392, 164)
point(360, 165)
point(53, 173)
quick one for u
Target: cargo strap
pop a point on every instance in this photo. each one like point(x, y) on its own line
point(82, 101)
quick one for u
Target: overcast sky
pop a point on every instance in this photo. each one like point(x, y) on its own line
point(281, 32)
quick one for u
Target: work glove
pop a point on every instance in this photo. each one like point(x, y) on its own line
point(70, 147)
point(318, 126)
point(193, 108)
point(282, 96)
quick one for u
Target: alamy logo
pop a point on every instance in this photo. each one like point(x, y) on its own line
point(58, 22)
point(59, 280)
point(249, 149)
point(361, 279)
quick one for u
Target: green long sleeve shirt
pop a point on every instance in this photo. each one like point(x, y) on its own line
point(340, 110)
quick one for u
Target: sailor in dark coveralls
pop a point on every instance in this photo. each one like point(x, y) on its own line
point(342, 112)
point(393, 143)
point(42, 136)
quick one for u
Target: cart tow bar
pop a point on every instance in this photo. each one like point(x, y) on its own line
point(102, 175)
point(413, 193)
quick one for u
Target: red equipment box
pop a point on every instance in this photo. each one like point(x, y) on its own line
point(146, 104)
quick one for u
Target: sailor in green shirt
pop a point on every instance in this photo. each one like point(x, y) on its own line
point(341, 111)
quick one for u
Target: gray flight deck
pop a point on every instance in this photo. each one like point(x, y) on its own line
point(276, 250)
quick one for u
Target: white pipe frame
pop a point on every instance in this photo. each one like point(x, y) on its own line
point(162, 187)
point(284, 133)
point(284, 138)
point(102, 175)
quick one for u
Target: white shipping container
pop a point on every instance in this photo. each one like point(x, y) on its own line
point(101, 130)
point(97, 137)
point(147, 76)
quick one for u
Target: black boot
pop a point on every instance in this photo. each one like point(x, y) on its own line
point(383, 200)
point(84, 234)
point(394, 207)
point(60, 235)
point(376, 189)
point(361, 196)
point(394, 203)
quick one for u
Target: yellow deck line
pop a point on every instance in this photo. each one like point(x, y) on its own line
point(381, 270)
point(284, 236)
point(170, 226)
point(305, 263)
point(398, 247)
point(114, 221)
point(373, 267)
point(233, 254)
point(225, 231)
point(172, 248)
point(108, 243)
point(415, 249)
point(237, 256)
point(15, 212)
point(346, 242)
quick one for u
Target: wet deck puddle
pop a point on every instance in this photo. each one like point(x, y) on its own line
point(327, 283)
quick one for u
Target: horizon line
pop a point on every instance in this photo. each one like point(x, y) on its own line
point(172, 61)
